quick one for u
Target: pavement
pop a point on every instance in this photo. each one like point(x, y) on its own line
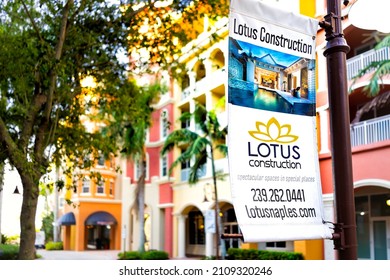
point(77, 255)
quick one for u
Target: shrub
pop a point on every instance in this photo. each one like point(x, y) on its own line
point(155, 255)
point(131, 255)
point(148, 255)
point(252, 254)
point(9, 252)
point(54, 246)
point(3, 239)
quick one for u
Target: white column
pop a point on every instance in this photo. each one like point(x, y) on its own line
point(324, 131)
point(209, 244)
point(181, 236)
point(328, 200)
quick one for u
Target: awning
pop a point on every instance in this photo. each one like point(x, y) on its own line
point(67, 219)
point(101, 218)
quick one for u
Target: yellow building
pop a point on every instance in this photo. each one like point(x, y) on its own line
point(205, 82)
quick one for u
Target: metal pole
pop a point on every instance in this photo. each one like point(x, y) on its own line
point(336, 49)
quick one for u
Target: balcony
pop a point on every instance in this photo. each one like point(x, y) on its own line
point(357, 63)
point(208, 83)
point(370, 131)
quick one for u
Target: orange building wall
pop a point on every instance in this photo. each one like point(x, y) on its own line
point(369, 162)
point(311, 249)
point(87, 208)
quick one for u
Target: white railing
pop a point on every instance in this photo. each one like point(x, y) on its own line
point(210, 81)
point(357, 63)
point(370, 131)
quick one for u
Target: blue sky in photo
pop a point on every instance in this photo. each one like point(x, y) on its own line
point(280, 58)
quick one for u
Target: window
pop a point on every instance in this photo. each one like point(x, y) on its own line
point(196, 228)
point(100, 187)
point(86, 185)
point(111, 190)
point(279, 244)
point(164, 124)
point(185, 169)
point(164, 166)
point(137, 169)
point(185, 123)
point(101, 160)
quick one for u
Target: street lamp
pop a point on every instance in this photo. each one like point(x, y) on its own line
point(345, 239)
point(16, 191)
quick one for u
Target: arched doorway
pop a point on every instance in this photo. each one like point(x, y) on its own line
point(196, 238)
point(372, 211)
point(100, 230)
point(230, 226)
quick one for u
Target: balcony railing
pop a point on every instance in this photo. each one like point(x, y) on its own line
point(370, 131)
point(209, 82)
point(357, 63)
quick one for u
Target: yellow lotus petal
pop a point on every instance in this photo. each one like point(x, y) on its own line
point(273, 132)
point(261, 127)
point(285, 129)
point(260, 136)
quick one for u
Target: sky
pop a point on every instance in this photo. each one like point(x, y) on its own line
point(11, 204)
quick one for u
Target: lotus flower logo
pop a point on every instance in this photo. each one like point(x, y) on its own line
point(273, 132)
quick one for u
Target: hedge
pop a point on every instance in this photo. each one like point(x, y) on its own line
point(148, 255)
point(54, 245)
point(9, 252)
point(252, 254)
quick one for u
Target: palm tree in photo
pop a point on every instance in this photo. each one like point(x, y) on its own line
point(200, 147)
point(380, 69)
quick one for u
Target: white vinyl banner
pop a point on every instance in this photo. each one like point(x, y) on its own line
point(273, 157)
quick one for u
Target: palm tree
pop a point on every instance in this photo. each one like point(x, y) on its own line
point(381, 68)
point(133, 132)
point(200, 147)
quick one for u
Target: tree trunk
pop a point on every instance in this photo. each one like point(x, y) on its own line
point(217, 217)
point(27, 216)
point(141, 204)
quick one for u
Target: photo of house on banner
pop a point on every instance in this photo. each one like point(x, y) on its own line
point(265, 79)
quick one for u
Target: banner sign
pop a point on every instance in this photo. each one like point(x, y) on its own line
point(273, 155)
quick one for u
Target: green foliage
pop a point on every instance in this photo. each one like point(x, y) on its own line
point(148, 255)
point(155, 255)
point(9, 252)
point(212, 136)
point(379, 68)
point(4, 239)
point(252, 254)
point(53, 47)
point(54, 246)
point(47, 226)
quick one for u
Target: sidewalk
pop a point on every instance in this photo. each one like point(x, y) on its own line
point(78, 255)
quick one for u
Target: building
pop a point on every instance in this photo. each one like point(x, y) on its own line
point(370, 137)
point(176, 213)
point(92, 217)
